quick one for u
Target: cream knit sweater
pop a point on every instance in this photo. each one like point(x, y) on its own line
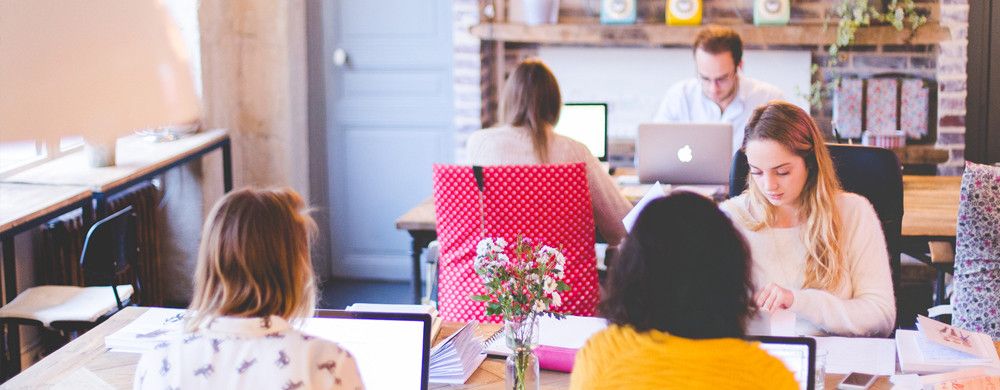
point(512, 146)
point(863, 305)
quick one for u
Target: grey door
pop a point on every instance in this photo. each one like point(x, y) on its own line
point(389, 101)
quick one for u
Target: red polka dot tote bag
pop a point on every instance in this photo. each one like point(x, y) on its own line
point(548, 204)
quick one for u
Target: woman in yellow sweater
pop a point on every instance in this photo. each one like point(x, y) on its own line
point(678, 299)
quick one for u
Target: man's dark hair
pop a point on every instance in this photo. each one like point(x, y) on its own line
point(717, 39)
point(684, 269)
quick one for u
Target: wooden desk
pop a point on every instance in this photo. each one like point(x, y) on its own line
point(137, 160)
point(24, 207)
point(87, 354)
point(930, 211)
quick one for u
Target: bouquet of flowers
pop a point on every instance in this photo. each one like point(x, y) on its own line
point(521, 280)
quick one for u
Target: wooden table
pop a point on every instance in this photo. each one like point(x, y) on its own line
point(930, 212)
point(87, 357)
point(55, 187)
point(137, 160)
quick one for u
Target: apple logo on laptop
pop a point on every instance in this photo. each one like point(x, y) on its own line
point(684, 154)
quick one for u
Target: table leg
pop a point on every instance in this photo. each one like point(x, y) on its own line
point(421, 238)
point(11, 345)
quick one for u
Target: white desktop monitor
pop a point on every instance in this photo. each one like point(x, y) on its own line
point(392, 350)
point(797, 353)
point(588, 124)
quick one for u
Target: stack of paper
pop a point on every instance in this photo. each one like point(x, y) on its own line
point(154, 326)
point(939, 347)
point(457, 357)
point(402, 308)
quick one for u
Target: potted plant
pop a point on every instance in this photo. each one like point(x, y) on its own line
point(853, 15)
point(522, 281)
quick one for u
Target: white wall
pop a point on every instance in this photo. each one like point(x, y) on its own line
point(633, 80)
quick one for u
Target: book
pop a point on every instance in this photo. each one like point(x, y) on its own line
point(938, 347)
point(402, 308)
point(456, 357)
point(568, 333)
point(153, 327)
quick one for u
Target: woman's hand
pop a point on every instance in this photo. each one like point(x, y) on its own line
point(774, 297)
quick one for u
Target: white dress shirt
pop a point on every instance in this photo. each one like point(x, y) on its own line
point(248, 353)
point(686, 102)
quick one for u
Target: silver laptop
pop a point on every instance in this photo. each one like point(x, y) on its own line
point(684, 153)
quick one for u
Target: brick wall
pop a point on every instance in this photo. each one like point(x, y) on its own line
point(944, 63)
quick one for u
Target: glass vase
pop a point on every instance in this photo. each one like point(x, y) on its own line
point(522, 364)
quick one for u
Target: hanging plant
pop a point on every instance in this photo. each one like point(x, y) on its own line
point(853, 15)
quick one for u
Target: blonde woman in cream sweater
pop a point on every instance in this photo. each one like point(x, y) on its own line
point(529, 109)
point(817, 250)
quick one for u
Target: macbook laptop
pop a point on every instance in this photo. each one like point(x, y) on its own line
point(586, 123)
point(382, 343)
point(684, 153)
point(798, 354)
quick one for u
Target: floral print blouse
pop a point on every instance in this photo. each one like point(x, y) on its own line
point(244, 353)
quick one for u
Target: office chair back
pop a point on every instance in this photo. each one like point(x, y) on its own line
point(872, 172)
point(550, 204)
point(110, 252)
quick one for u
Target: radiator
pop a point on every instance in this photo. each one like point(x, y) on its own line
point(58, 252)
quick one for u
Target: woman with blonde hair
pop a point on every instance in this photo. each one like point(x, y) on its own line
point(529, 109)
point(817, 250)
point(253, 281)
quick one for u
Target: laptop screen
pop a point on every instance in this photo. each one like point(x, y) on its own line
point(381, 343)
point(798, 354)
point(586, 123)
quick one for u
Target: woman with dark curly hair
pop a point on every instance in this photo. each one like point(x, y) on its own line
point(678, 300)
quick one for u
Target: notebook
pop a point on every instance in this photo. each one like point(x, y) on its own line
point(457, 357)
point(684, 153)
point(939, 347)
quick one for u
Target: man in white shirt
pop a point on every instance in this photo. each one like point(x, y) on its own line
point(719, 93)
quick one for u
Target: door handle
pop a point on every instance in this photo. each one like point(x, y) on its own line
point(339, 57)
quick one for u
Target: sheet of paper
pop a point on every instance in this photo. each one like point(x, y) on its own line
point(778, 323)
point(655, 191)
point(858, 354)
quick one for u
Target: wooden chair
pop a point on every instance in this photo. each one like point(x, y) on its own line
point(109, 254)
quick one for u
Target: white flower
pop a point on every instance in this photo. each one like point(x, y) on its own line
point(556, 299)
point(501, 243)
point(550, 285)
point(539, 306)
point(533, 278)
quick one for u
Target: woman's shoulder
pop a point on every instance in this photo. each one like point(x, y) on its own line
point(854, 206)
point(737, 209)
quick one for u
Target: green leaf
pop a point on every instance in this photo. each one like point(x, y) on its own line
point(480, 298)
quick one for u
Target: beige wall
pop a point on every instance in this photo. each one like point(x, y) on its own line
point(253, 56)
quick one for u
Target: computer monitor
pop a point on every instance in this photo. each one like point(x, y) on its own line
point(382, 343)
point(797, 353)
point(588, 124)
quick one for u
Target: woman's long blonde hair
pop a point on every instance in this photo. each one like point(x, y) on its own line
point(531, 99)
point(254, 258)
point(792, 127)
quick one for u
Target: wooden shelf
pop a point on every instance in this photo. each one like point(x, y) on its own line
point(663, 35)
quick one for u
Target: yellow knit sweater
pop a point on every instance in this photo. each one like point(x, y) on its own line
point(621, 358)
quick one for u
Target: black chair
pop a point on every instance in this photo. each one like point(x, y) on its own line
point(109, 255)
point(872, 172)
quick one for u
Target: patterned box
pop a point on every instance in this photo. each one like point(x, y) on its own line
point(881, 105)
point(914, 104)
point(847, 108)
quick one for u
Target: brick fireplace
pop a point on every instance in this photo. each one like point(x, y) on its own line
point(475, 83)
